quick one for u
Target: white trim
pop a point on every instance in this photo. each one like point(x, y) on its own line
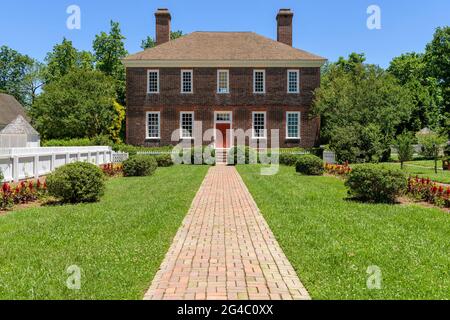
point(230, 122)
point(148, 80)
point(192, 81)
point(254, 80)
point(298, 81)
point(224, 63)
point(299, 125)
point(146, 125)
point(253, 125)
point(181, 125)
point(228, 80)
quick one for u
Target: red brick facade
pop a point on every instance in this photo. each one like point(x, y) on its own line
point(205, 100)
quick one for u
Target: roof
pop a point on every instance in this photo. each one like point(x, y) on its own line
point(10, 108)
point(227, 47)
point(19, 126)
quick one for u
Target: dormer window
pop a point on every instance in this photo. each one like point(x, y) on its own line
point(259, 81)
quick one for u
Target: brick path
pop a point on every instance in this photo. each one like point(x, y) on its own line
point(225, 250)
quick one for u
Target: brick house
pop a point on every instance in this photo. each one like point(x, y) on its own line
point(222, 81)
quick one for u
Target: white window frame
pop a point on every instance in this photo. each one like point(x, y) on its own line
point(147, 126)
point(254, 113)
point(182, 137)
point(298, 81)
point(148, 81)
point(299, 114)
point(254, 81)
point(182, 81)
point(218, 80)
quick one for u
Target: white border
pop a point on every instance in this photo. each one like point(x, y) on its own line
point(193, 125)
point(253, 125)
point(159, 125)
point(298, 81)
point(228, 80)
point(148, 81)
point(192, 81)
point(254, 80)
point(299, 125)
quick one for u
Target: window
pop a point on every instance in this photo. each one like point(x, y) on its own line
point(186, 81)
point(259, 81)
point(153, 125)
point(293, 83)
point(187, 125)
point(259, 125)
point(153, 81)
point(223, 81)
point(223, 117)
point(293, 125)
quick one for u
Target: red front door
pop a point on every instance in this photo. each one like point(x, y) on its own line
point(222, 139)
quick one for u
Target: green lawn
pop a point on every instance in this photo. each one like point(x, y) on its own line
point(332, 241)
point(423, 168)
point(118, 243)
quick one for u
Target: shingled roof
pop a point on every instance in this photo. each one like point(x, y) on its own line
point(10, 109)
point(226, 47)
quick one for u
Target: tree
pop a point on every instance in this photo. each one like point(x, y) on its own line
point(13, 71)
point(34, 80)
point(366, 99)
point(149, 42)
point(432, 145)
point(79, 104)
point(109, 49)
point(116, 125)
point(404, 146)
point(65, 58)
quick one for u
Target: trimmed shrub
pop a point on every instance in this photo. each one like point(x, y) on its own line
point(164, 160)
point(375, 183)
point(77, 182)
point(139, 166)
point(241, 155)
point(310, 165)
point(289, 159)
point(197, 155)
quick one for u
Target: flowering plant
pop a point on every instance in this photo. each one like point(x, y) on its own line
point(430, 191)
point(21, 193)
point(112, 169)
point(338, 169)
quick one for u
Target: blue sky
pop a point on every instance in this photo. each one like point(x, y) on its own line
point(330, 28)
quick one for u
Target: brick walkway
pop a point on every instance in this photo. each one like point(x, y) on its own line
point(225, 250)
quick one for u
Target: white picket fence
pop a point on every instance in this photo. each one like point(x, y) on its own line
point(24, 163)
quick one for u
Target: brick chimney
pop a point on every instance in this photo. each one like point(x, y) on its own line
point(284, 26)
point(163, 19)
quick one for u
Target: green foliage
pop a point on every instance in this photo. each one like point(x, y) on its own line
point(109, 49)
point(1, 176)
point(164, 160)
point(149, 42)
point(139, 166)
point(432, 144)
point(77, 182)
point(198, 155)
point(117, 123)
point(80, 104)
point(242, 155)
point(288, 159)
point(375, 183)
point(354, 96)
point(310, 165)
point(13, 74)
point(404, 145)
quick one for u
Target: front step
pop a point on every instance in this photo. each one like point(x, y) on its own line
point(222, 156)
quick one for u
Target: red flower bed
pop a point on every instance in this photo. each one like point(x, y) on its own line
point(430, 191)
point(21, 193)
point(112, 170)
point(338, 169)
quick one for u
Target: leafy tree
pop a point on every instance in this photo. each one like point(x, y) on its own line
point(13, 71)
point(411, 71)
point(404, 146)
point(117, 123)
point(365, 99)
point(79, 104)
point(34, 80)
point(432, 145)
point(150, 42)
point(64, 58)
point(109, 49)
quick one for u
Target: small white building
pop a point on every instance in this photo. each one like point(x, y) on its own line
point(15, 130)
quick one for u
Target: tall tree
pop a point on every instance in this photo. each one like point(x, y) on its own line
point(34, 80)
point(150, 42)
point(79, 104)
point(13, 71)
point(109, 49)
